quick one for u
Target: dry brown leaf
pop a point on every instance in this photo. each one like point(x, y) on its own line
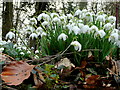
point(65, 62)
point(16, 72)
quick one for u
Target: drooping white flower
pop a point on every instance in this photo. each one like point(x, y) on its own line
point(78, 12)
point(43, 16)
point(118, 43)
point(10, 35)
point(62, 36)
point(115, 31)
point(101, 33)
point(88, 17)
point(94, 29)
point(111, 19)
point(76, 30)
point(22, 53)
point(33, 21)
point(108, 26)
point(80, 25)
point(56, 19)
point(76, 45)
point(113, 37)
point(30, 29)
point(36, 51)
point(36, 57)
point(39, 30)
point(45, 23)
point(3, 42)
point(1, 50)
point(33, 35)
point(85, 29)
point(100, 18)
point(54, 15)
point(43, 34)
point(28, 52)
point(69, 16)
point(25, 48)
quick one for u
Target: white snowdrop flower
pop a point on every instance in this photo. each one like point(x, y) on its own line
point(22, 53)
point(111, 19)
point(101, 33)
point(118, 43)
point(3, 42)
point(63, 18)
point(78, 12)
point(54, 15)
point(32, 48)
point(100, 18)
point(33, 21)
point(85, 29)
point(15, 45)
point(113, 37)
point(26, 21)
point(40, 16)
point(62, 36)
point(94, 29)
point(115, 31)
point(76, 30)
point(76, 45)
point(80, 25)
point(9, 41)
point(1, 50)
point(19, 48)
point(80, 21)
point(107, 26)
point(33, 35)
point(28, 52)
point(56, 19)
point(89, 17)
point(30, 28)
point(69, 16)
point(43, 34)
point(10, 35)
point(36, 51)
point(36, 57)
point(25, 48)
point(45, 23)
point(39, 30)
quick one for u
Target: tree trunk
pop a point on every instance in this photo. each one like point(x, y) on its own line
point(7, 18)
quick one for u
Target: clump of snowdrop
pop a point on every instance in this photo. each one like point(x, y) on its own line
point(62, 36)
point(10, 35)
point(76, 45)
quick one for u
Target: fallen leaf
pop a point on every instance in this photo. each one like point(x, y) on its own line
point(16, 72)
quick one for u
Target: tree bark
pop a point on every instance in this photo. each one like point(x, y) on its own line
point(7, 18)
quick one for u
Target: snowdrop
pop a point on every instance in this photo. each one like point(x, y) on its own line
point(76, 30)
point(101, 33)
point(54, 15)
point(94, 29)
point(113, 37)
point(25, 48)
point(45, 23)
point(85, 29)
point(78, 12)
point(80, 25)
point(1, 50)
point(118, 43)
point(44, 17)
point(33, 35)
point(10, 35)
point(62, 36)
point(22, 53)
point(28, 52)
point(3, 42)
point(69, 16)
point(100, 18)
point(36, 57)
point(76, 45)
point(39, 30)
point(43, 34)
point(89, 17)
point(56, 19)
point(36, 51)
point(33, 21)
point(107, 26)
point(112, 19)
